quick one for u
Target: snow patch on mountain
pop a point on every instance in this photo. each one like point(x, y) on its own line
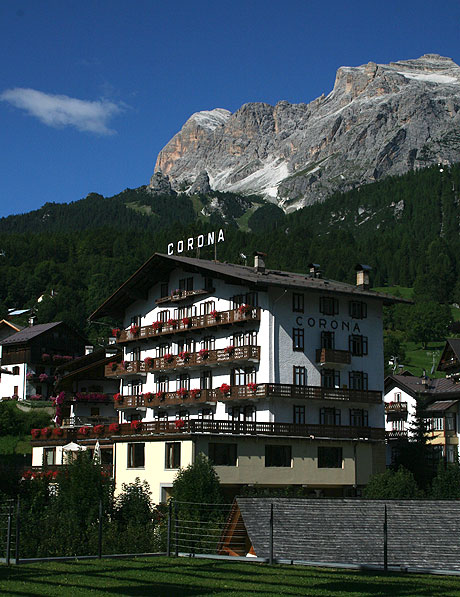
point(211, 119)
point(430, 77)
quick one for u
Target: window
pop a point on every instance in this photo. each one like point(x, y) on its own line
point(206, 380)
point(136, 455)
point(49, 456)
point(451, 453)
point(222, 454)
point(299, 414)
point(207, 307)
point(209, 343)
point(234, 413)
point(237, 300)
point(245, 339)
point(357, 345)
point(172, 455)
point(299, 376)
point(182, 312)
point(242, 376)
point(297, 302)
point(397, 425)
point(251, 299)
point(186, 284)
point(162, 383)
point(135, 354)
point(278, 456)
point(328, 340)
point(206, 413)
point(330, 378)
point(136, 320)
point(329, 416)
point(163, 349)
point(397, 397)
point(188, 345)
point(328, 305)
point(135, 387)
point(450, 422)
point(249, 413)
point(38, 389)
point(163, 315)
point(163, 289)
point(297, 339)
point(359, 417)
point(183, 381)
point(162, 415)
point(357, 309)
point(357, 380)
point(15, 370)
point(329, 457)
point(183, 414)
point(208, 283)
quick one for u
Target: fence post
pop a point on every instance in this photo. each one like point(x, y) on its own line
point(385, 541)
point(168, 538)
point(8, 539)
point(99, 543)
point(176, 516)
point(270, 560)
point(18, 521)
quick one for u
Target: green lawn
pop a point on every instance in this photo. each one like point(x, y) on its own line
point(418, 359)
point(189, 578)
point(401, 291)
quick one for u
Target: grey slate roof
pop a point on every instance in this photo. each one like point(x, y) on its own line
point(350, 531)
point(29, 333)
point(413, 385)
point(441, 405)
point(159, 265)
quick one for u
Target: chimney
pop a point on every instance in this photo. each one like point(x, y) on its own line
point(31, 321)
point(315, 271)
point(362, 275)
point(259, 263)
point(89, 349)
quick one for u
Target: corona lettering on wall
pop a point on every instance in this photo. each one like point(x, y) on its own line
point(198, 242)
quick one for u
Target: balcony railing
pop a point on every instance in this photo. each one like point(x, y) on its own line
point(200, 426)
point(181, 295)
point(396, 434)
point(221, 356)
point(56, 468)
point(74, 421)
point(396, 407)
point(238, 393)
point(196, 322)
point(326, 356)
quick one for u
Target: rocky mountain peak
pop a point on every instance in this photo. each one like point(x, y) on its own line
point(379, 120)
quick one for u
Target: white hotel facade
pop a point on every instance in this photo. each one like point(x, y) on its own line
point(276, 376)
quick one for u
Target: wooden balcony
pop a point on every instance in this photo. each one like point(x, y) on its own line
point(49, 469)
point(208, 426)
point(396, 434)
point(244, 393)
point(396, 407)
point(181, 295)
point(79, 421)
point(126, 369)
point(329, 356)
point(196, 322)
point(221, 356)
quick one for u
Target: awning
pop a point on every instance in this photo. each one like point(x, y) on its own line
point(73, 447)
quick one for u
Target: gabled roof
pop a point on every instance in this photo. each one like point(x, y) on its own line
point(450, 355)
point(158, 267)
point(5, 371)
point(13, 326)
point(441, 405)
point(414, 385)
point(85, 364)
point(32, 332)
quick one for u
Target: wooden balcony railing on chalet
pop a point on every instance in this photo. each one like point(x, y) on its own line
point(242, 393)
point(32, 471)
point(326, 356)
point(196, 322)
point(396, 434)
point(180, 295)
point(396, 407)
point(221, 356)
point(200, 426)
point(74, 421)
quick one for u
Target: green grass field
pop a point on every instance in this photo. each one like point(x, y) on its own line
point(189, 578)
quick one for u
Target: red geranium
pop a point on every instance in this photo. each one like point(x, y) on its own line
point(118, 397)
point(180, 423)
point(252, 386)
point(136, 425)
point(172, 322)
point(214, 313)
point(116, 332)
point(204, 353)
point(46, 431)
point(186, 320)
point(35, 432)
point(149, 361)
point(99, 429)
point(58, 432)
point(182, 391)
point(243, 309)
point(160, 395)
point(169, 357)
point(84, 430)
point(224, 388)
point(134, 329)
point(157, 325)
point(194, 393)
point(185, 355)
point(229, 349)
point(114, 427)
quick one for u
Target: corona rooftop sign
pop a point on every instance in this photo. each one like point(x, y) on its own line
point(198, 242)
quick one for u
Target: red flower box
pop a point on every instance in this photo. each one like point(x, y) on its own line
point(134, 330)
point(169, 358)
point(148, 396)
point(172, 322)
point(114, 427)
point(243, 309)
point(195, 392)
point(229, 349)
point(186, 320)
point(224, 388)
point(157, 325)
point(46, 431)
point(149, 361)
point(99, 429)
point(184, 355)
point(84, 430)
point(252, 386)
point(36, 433)
point(214, 313)
point(182, 392)
point(179, 423)
point(58, 432)
point(136, 425)
point(204, 353)
point(118, 397)
point(116, 332)
point(160, 395)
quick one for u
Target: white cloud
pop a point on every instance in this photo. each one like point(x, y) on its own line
point(61, 110)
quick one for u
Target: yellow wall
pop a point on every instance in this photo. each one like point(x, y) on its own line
point(154, 471)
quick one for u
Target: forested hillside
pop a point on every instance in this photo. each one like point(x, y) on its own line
point(406, 228)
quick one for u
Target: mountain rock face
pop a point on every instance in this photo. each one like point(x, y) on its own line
point(379, 120)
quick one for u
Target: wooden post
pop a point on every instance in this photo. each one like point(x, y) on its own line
point(270, 560)
point(385, 541)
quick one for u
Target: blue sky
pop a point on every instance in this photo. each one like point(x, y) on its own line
point(91, 91)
